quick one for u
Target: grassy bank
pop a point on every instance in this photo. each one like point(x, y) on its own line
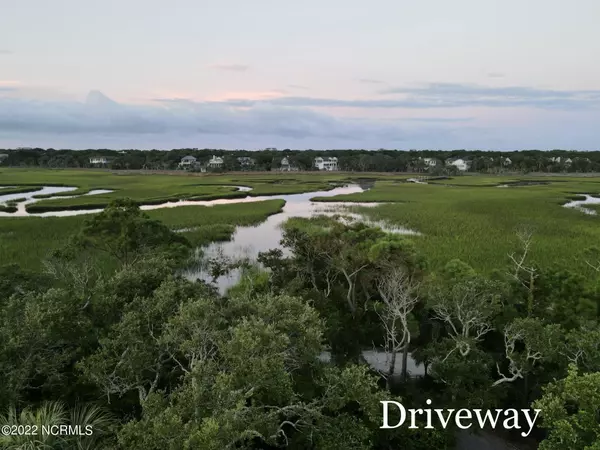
point(149, 188)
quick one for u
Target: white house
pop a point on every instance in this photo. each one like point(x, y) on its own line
point(429, 162)
point(286, 166)
point(461, 164)
point(187, 161)
point(98, 160)
point(507, 162)
point(216, 162)
point(328, 163)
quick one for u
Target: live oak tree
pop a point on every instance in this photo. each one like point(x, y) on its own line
point(528, 343)
point(126, 234)
point(466, 304)
point(133, 356)
point(569, 412)
point(250, 389)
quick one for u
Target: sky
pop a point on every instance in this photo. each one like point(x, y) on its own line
point(320, 74)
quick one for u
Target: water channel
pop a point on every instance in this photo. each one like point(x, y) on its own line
point(580, 204)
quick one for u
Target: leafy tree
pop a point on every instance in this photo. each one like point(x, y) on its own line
point(126, 234)
point(40, 335)
point(569, 411)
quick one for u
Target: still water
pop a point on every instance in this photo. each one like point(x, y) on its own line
point(248, 242)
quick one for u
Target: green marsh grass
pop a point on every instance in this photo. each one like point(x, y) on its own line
point(478, 224)
point(148, 188)
point(464, 217)
point(28, 240)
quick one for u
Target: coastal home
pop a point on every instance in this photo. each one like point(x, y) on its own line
point(287, 166)
point(246, 161)
point(187, 162)
point(327, 163)
point(98, 160)
point(216, 162)
point(429, 162)
point(507, 162)
point(460, 163)
point(557, 159)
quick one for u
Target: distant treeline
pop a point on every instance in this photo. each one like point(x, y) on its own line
point(348, 160)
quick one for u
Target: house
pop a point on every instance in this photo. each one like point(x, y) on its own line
point(98, 160)
point(460, 163)
point(3, 156)
point(507, 162)
point(328, 163)
point(429, 162)
point(216, 162)
point(246, 161)
point(558, 160)
point(187, 162)
point(287, 166)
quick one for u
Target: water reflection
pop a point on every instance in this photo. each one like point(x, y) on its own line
point(248, 242)
point(380, 361)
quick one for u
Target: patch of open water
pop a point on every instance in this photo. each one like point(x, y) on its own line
point(580, 204)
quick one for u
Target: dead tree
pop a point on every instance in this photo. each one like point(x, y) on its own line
point(522, 272)
point(399, 296)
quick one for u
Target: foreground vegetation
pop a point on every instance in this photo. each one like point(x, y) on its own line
point(109, 335)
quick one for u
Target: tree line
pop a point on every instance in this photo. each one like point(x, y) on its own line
point(112, 335)
point(348, 160)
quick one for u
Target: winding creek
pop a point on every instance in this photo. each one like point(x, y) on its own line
point(247, 242)
point(580, 204)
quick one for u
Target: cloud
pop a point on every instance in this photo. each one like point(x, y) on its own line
point(435, 96)
point(230, 67)
point(447, 95)
point(439, 119)
point(297, 86)
point(496, 75)
point(284, 122)
point(369, 81)
point(5, 52)
point(101, 115)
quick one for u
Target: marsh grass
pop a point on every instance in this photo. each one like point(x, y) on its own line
point(478, 224)
point(28, 240)
point(147, 188)
point(466, 217)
